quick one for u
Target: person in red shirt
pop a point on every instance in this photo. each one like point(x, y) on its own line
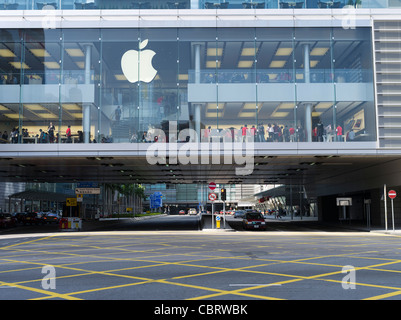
point(244, 132)
point(68, 134)
point(339, 131)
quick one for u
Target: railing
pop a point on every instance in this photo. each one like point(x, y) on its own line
point(280, 76)
point(186, 4)
point(46, 77)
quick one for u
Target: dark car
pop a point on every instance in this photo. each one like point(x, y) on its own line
point(7, 220)
point(19, 216)
point(254, 220)
point(32, 218)
point(50, 218)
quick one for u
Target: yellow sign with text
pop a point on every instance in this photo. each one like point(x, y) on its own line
point(71, 202)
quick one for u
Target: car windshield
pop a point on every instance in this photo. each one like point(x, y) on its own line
point(254, 215)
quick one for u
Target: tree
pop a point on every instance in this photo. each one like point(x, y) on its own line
point(128, 194)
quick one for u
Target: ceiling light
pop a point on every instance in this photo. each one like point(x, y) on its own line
point(214, 106)
point(182, 77)
point(3, 108)
point(277, 63)
point(313, 63)
point(80, 64)
point(283, 51)
point(13, 115)
point(75, 52)
point(47, 115)
point(51, 65)
point(40, 52)
point(120, 77)
point(248, 52)
point(18, 65)
point(247, 114)
point(71, 106)
point(323, 105)
point(212, 64)
point(318, 51)
point(279, 114)
point(214, 113)
point(245, 64)
point(6, 53)
point(213, 52)
point(34, 107)
point(286, 105)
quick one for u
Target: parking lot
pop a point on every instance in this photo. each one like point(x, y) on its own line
point(200, 265)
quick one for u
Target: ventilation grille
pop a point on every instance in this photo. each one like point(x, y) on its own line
point(387, 46)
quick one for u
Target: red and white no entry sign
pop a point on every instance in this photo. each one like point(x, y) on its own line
point(212, 196)
point(212, 186)
point(392, 194)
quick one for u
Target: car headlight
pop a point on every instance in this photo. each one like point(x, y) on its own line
point(263, 222)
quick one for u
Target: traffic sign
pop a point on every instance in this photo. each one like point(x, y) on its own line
point(392, 194)
point(212, 186)
point(212, 196)
point(87, 190)
point(71, 202)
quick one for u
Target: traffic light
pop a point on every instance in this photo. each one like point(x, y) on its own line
point(223, 194)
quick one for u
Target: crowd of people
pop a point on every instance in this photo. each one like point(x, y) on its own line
point(278, 133)
point(49, 135)
point(273, 132)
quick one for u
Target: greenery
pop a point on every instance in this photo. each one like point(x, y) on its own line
point(128, 195)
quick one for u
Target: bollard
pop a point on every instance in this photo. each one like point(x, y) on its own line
point(218, 222)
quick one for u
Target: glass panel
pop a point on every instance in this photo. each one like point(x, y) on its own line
point(80, 85)
point(40, 86)
point(352, 61)
point(119, 100)
point(11, 57)
point(313, 75)
point(200, 55)
point(275, 87)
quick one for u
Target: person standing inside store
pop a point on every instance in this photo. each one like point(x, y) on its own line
point(118, 113)
point(50, 132)
point(339, 131)
point(68, 134)
point(319, 130)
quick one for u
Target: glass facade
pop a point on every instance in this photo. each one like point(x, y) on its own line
point(186, 4)
point(142, 85)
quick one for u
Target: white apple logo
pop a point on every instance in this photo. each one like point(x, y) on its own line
point(137, 66)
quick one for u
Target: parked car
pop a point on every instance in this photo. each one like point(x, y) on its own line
point(253, 220)
point(7, 220)
point(32, 218)
point(50, 217)
point(192, 211)
point(239, 214)
point(19, 216)
point(181, 212)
